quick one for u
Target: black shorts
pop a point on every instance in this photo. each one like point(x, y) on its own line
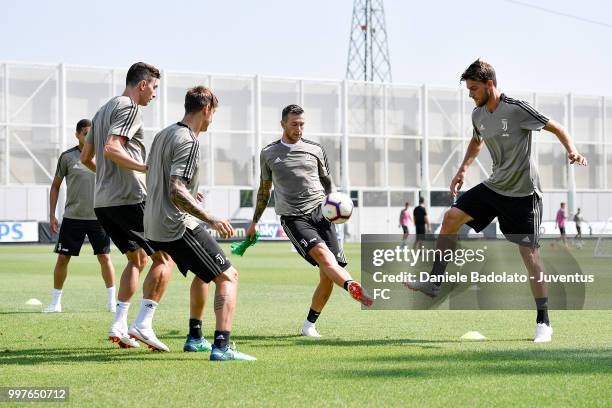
point(578, 229)
point(405, 229)
point(562, 230)
point(196, 251)
point(72, 235)
point(519, 217)
point(124, 225)
point(306, 231)
point(420, 229)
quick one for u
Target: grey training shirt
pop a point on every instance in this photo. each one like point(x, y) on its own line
point(295, 172)
point(507, 134)
point(116, 185)
point(80, 182)
point(175, 152)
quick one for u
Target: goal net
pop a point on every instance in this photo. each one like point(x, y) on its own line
point(603, 248)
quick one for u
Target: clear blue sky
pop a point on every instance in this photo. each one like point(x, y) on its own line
point(430, 41)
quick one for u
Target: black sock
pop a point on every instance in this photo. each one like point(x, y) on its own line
point(313, 316)
point(438, 269)
point(542, 306)
point(346, 284)
point(221, 338)
point(445, 242)
point(195, 328)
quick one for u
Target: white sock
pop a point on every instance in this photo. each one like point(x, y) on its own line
point(308, 324)
point(57, 296)
point(111, 295)
point(144, 319)
point(121, 315)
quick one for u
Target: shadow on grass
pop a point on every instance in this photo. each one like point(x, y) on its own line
point(82, 355)
point(22, 312)
point(506, 362)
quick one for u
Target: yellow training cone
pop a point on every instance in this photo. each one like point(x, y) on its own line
point(33, 302)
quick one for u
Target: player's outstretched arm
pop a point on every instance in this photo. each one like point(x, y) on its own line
point(182, 198)
point(566, 140)
point(470, 155)
point(114, 151)
point(87, 156)
point(263, 196)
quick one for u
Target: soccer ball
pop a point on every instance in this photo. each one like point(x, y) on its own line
point(338, 208)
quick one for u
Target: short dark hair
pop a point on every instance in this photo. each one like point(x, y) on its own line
point(198, 97)
point(83, 123)
point(407, 203)
point(421, 200)
point(141, 71)
point(293, 109)
point(479, 71)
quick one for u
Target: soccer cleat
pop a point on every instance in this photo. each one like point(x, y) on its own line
point(121, 338)
point(543, 333)
point(309, 330)
point(359, 294)
point(229, 353)
point(428, 288)
point(53, 308)
point(148, 337)
point(193, 344)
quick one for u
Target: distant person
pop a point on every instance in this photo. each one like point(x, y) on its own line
point(79, 220)
point(404, 220)
point(560, 221)
point(578, 220)
point(421, 223)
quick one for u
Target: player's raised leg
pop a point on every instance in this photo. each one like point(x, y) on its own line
point(454, 218)
point(329, 266)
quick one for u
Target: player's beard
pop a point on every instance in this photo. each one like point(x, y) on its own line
point(485, 99)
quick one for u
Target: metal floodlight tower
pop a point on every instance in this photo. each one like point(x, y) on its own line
point(368, 56)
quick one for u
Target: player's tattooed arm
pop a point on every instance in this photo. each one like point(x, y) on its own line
point(328, 184)
point(182, 198)
point(263, 196)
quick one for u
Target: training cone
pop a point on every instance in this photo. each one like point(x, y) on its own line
point(33, 302)
point(473, 335)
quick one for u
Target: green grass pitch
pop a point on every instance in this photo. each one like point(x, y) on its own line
point(366, 358)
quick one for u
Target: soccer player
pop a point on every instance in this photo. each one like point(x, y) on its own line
point(560, 222)
point(421, 223)
point(79, 220)
point(512, 193)
point(578, 220)
point(299, 171)
point(173, 220)
point(115, 150)
point(404, 219)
